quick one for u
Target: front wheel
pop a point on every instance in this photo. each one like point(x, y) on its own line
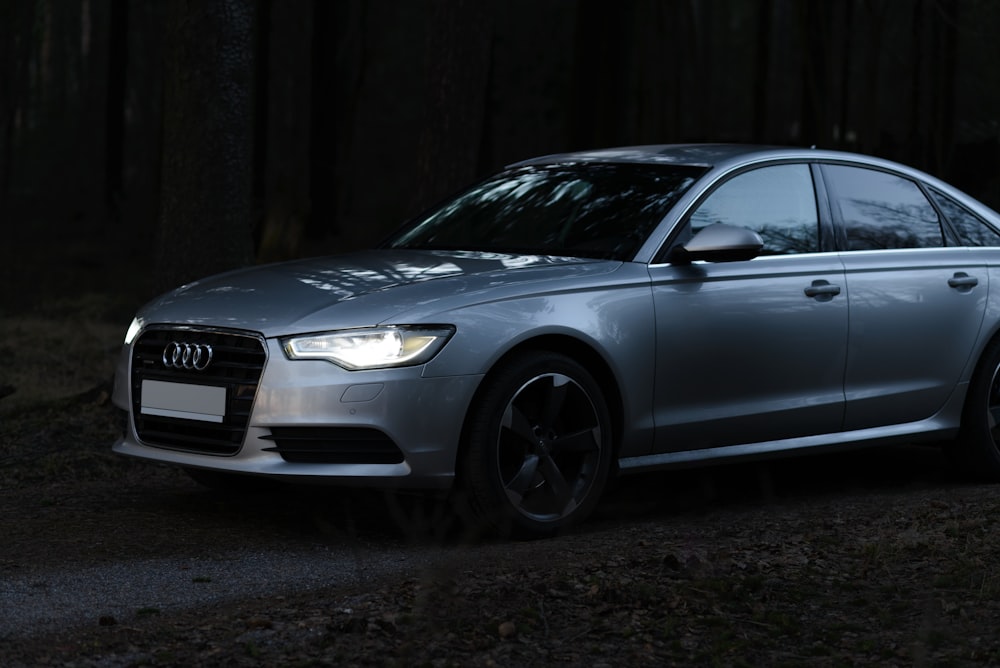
point(539, 445)
point(978, 448)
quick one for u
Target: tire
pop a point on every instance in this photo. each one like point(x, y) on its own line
point(977, 451)
point(230, 483)
point(539, 447)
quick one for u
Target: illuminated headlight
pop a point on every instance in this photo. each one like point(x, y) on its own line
point(374, 348)
point(133, 329)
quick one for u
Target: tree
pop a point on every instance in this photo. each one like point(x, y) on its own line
point(115, 107)
point(874, 16)
point(458, 60)
point(815, 20)
point(205, 222)
point(287, 142)
point(762, 69)
point(604, 38)
point(15, 47)
point(944, 69)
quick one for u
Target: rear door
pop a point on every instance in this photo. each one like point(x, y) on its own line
point(916, 302)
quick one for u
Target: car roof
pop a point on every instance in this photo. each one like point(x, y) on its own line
point(682, 154)
point(722, 158)
point(719, 158)
point(705, 155)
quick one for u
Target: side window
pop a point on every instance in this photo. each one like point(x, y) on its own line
point(776, 202)
point(970, 227)
point(881, 210)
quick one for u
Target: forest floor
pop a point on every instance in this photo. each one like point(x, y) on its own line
point(874, 557)
point(868, 558)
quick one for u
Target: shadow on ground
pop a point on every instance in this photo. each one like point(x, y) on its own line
point(323, 513)
point(782, 480)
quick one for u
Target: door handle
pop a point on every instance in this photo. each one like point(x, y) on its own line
point(822, 291)
point(962, 281)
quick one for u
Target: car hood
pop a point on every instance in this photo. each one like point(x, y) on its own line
point(358, 290)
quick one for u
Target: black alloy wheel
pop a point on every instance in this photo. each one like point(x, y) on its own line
point(540, 446)
point(978, 448)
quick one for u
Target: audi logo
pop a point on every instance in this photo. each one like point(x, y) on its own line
point(180, 355)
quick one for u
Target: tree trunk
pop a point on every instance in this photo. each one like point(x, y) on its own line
point(943, 78)
point(762, 70)
point(206, 183)
point(286, 174)
point(458, 52)
point(338, 67)
point(604, 39)
point(875, 19)
point(913, 147)
point(115, 108)
point(15, 53)
point(845, 137)
point(814, 31)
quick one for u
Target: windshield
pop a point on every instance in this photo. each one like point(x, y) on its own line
point(599, 210)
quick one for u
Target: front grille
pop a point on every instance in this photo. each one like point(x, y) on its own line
point(333, 445)
point(237, 362)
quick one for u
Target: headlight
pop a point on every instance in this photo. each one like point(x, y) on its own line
point(133, 329)
point(374, 348)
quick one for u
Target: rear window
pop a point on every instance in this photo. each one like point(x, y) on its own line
point(881, 210)
point(971, 229)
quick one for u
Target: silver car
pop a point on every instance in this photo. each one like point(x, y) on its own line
point(585, 315)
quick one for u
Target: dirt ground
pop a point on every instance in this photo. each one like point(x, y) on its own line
point(876, 557)
point(873, 557)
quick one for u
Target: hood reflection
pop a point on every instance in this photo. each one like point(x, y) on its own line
point(278, 298)
point(349, 280)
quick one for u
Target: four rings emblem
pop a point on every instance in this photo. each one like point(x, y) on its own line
point(179, 355)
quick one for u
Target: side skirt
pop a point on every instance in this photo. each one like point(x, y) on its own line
point(931, 429)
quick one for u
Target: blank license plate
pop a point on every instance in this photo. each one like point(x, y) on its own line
point(180, 400)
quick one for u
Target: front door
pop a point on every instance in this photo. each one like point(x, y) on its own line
point(755, 350)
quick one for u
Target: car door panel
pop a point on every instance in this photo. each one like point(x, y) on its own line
point(749, 351)
point(915, 316)
point(916, 303)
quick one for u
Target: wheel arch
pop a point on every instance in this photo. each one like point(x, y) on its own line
point(582, 353)
point(989, 338)
point(976, 361)
point(976, 451)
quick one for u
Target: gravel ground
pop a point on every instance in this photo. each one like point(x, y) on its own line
point(883, 573)
point(869, 558)
point(59, 598)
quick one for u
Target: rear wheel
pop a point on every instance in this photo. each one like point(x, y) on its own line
point(978, 447)
point(539, 447)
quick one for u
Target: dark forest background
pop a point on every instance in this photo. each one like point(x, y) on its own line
point(159, 140)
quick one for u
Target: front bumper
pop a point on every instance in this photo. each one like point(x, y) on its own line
point(421, 416)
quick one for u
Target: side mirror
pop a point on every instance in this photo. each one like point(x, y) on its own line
point(719, 243)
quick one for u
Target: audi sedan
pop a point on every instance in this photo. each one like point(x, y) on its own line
point(586, 315)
